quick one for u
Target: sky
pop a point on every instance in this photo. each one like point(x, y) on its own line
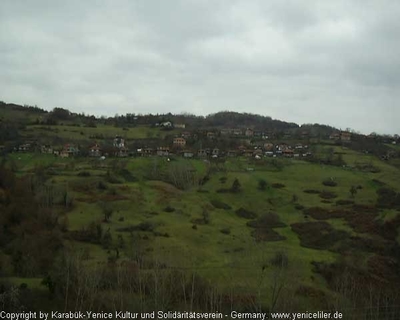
point(329, 62)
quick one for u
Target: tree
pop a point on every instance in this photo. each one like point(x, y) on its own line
point(107, 211)
point(206, 216)
point(235, 186)
point(353, 191)
point(262, 184)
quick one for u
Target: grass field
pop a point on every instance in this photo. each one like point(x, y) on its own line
point(222, 250)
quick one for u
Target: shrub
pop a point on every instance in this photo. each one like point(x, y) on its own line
point(344, 202)
point(84, 174)
point(329, 182)
point(268, 220)
point(236, 186)
point(101, 185)
point(318, 235)
point(262, 184)
point(277, 185)
point(312, 191)
point(327, 195)
point(220, 205)
point(226, 230)
point(243, 213)
point(169, 209)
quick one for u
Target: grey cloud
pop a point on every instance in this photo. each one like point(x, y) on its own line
point(333, 62)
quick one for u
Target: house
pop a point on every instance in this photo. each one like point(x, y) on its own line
point(299, 146)
point(269, 153)
point(345, 136)
point(188, 154)
point(288, 153)
point(215, 152)
point(248, 153)
point(26, 147)
point(226, 132)
point(237, 132)
point(68, 150)
point(166, 124)
point(95, 151)
point(258, 134)
point(119, 142)
point(282, 147)
point(179, 142)
point(186, 135)
point(257, 153)
point(334, 136)
point(268, 146)
point(163, 151)
point(249, 132)
point(210, 135)
point(202, 153)
point(147, 152)
point(179, 125)
point(46, 149)
point(121, 152)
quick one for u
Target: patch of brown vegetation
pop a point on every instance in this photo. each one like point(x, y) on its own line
point(386, 268)
point(263, 227)
point(327, 195)
point(318, 235)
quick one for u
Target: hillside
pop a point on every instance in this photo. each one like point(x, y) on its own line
point(171, 212)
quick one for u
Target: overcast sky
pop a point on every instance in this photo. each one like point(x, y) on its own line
point(331, 62)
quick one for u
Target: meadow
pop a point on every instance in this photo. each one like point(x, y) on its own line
point(227, 237)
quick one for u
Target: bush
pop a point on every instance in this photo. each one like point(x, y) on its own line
point(318, 235)
point(243, 213)
point(223, 179)
point(220, 205)
point(344, 202)
point(84, 174)
point(329, 183)
point(169, 209)
point(225, 230)
point(102, 185)
point(236, 187)
point(262, 184)
point(312, 191)
point(327, 195)
point(277, 185)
